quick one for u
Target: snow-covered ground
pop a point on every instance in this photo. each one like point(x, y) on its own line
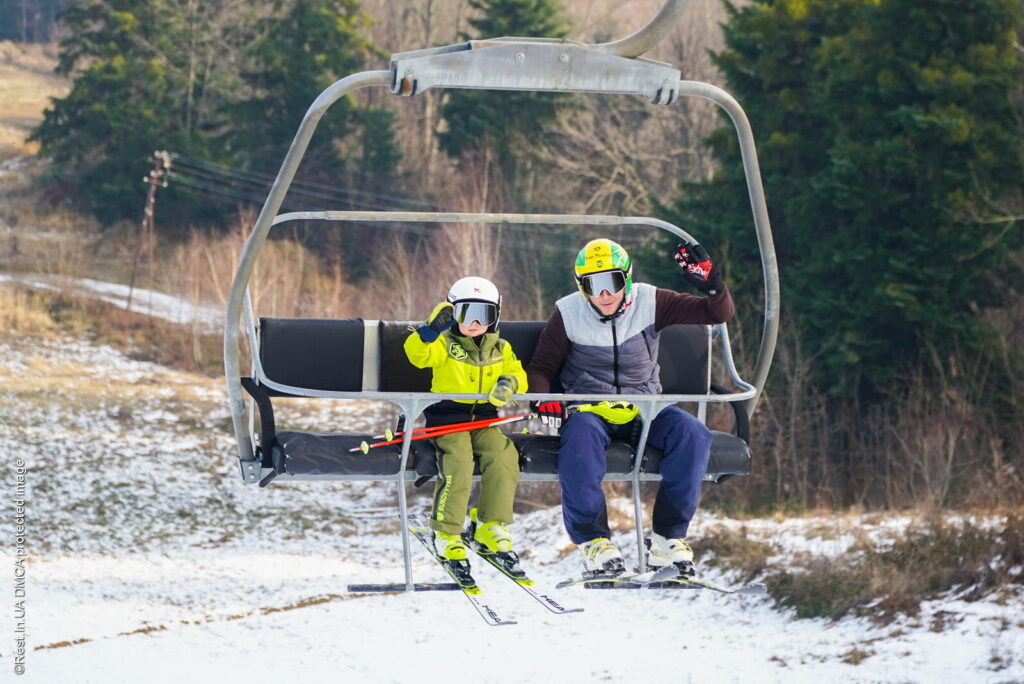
point(150, 561)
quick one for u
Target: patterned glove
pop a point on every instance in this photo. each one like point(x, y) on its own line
point(439, 320)
point(551, 413)
point(502, 391)
point(698, 268)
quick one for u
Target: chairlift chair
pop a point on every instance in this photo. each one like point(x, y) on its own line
point(314, 357)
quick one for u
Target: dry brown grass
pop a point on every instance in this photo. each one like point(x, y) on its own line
point(725, 548)
point(22, 311)
point(136, 335)
point(27, 83)
point(929, 560)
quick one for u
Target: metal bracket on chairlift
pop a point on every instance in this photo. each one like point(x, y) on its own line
point(532, 64)
point(251, 470)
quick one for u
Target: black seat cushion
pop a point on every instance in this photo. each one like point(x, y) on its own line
point(539, 454)
point(313, 353)
point(730, 455)
point(310, 453)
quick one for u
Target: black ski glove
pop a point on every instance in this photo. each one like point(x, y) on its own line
point(698, 268)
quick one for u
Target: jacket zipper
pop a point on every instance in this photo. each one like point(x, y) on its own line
point(479, 389)
point(615, 356)
point(480, 380)
point(647, 343)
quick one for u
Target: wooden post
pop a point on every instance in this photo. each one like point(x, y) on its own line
point(161, 164)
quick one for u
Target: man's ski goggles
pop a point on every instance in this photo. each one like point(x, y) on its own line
point(481, 312)
point(594, 283)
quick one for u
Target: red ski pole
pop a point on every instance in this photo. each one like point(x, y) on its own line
point(388, 434)
point(439, 430)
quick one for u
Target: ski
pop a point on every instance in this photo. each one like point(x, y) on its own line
point(459, 573)
point(620, 577)
point(520, 579)
point(667, 577)
point(655, 575)
point(622, 580)
point(694, 582)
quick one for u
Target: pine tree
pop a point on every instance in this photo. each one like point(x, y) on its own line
point(136, 89)
point(218, 82)
point(300, 49)
point(887, 131)
point(479, 120)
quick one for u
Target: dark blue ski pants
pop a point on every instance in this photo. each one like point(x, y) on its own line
point(582, 464)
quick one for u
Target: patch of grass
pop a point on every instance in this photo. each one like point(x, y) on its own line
point(855, 656)
point(925, 563)
point(730, 549)
point(23, 311)
point(823, 589)
point(140, 337)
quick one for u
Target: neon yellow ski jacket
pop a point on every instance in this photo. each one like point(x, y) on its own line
point(461, 366)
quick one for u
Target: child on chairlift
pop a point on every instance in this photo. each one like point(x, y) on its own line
point(459, 341)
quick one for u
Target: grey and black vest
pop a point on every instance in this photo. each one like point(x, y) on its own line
point(619, 356)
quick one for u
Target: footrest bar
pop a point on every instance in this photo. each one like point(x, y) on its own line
point(401, 586)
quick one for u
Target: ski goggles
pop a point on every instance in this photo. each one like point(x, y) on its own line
point(481, 312)
point(595, 283)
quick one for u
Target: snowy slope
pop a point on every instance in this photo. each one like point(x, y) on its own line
point(206, 318)
point(152, 562)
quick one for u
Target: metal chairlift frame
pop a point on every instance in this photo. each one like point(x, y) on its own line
point(531, 64)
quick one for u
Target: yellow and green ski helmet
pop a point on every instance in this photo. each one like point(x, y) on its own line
point(602, 255)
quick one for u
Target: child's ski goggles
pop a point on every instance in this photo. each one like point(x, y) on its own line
point(481, 312)
point(594, 283)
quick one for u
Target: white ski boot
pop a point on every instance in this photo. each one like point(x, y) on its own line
point(670, 552)
point(601, 559)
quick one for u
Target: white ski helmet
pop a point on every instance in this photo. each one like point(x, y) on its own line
point(474, 289)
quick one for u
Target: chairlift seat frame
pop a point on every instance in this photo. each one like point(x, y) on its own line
point(504, 64)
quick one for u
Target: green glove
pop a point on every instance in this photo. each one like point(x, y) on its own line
point(439, 320)
point(502, 391)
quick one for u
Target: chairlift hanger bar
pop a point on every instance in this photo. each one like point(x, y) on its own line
point(535, 64)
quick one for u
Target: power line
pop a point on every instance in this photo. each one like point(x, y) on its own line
point(190, 185)
point(224, 182)
point(257, 191)
point(267, 180)
point(264, 181)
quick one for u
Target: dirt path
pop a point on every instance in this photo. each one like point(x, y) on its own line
point(27, 83)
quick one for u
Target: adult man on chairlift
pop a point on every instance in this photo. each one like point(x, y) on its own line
point(605, 341)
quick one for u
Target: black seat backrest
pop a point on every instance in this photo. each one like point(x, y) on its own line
point(313, 353)
point(396, 374)
point(684, 354)
point(327, 354)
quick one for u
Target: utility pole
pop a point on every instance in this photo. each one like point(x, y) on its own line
point(157, 176)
